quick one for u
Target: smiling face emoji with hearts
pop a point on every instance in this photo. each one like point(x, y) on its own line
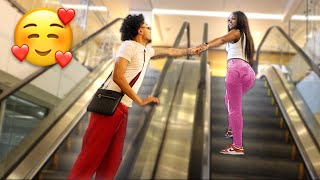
point(40, 34)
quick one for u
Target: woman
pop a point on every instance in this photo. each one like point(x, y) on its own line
point(240, 76)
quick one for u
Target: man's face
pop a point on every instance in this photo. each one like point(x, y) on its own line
point(146, 32)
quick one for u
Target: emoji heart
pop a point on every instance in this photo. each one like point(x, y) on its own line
point(20, 53)
point(65, 16)
point(63, 59)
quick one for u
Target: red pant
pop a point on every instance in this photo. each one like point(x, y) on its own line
point(102, 144)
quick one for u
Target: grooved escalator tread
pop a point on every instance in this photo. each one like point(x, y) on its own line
point(251, 109)
point(248, 120)
point(246, 101)
point(218, 81)
point(53, 174)
point(254, 166)
point(254, 147)
point(224, 176)
point(267, 135)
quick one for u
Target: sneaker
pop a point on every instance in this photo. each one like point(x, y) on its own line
point(228, 134)
point(233, 150)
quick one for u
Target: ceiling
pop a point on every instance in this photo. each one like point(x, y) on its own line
point(166, 27)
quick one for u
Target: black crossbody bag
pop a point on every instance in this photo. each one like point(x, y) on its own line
point(106, 101)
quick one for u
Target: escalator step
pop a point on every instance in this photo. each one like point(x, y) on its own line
point(254, 166)
point(254, 147)
point(265, 111)
point(261, 100)
point(252, 92)
point(248, 120)
point(65, 161)
point(258, 134)
point(242, 177)
point(52, 174)
point(221, 80)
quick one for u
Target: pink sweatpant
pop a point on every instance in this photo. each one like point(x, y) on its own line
point(239, 79)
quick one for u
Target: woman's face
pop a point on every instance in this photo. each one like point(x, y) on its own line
point(232, 21)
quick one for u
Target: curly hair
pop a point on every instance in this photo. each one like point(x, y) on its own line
point(130, 26)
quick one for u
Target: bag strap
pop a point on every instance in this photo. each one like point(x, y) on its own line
point(136, 77)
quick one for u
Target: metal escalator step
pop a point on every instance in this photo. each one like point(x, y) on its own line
point(238, 177)
point(135, 109)
point(76, 144)
point(266, 111)
point(257, 134)
point(261, 100)
point(221, 80)
point(251, 92)
point(248, 120)
point(254, 166)
point(254, 147)
point(65, 161)
point(52, 174)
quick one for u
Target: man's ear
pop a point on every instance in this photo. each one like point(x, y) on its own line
point(139, 31)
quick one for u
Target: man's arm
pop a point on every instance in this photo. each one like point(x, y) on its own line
point(118, 77)
point(173, 52)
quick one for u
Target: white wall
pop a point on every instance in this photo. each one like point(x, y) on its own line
point(57, 81)
point(8, 63)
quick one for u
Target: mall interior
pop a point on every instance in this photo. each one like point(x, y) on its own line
point(43, 109)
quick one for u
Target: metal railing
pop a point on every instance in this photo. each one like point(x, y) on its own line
point(303, 139)
point(306, 58)
point(196, 163)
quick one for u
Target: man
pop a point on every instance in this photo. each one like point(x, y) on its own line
point(102, 145)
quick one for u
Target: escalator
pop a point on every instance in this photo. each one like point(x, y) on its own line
point(265, 138)
point(60, 164)
point(156, 145)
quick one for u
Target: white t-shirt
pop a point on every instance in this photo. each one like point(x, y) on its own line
point(235, 50)
point(134, 53)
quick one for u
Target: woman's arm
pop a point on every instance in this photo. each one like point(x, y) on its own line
point(231, 37)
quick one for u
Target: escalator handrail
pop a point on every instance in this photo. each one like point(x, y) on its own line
point(157, 90)
point(134, 147)
point(309, 155)
point(36, 74)
point(21, 9)
point(306, 58)
point(195, 163)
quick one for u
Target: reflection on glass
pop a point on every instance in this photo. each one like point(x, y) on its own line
point(18, 118)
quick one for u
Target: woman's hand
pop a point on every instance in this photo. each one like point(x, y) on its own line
point(202, 47)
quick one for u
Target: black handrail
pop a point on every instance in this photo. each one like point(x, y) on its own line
point(136, 144)
point(195, 163)
point(306, 58)
point(34, 75)
point(169, 61)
